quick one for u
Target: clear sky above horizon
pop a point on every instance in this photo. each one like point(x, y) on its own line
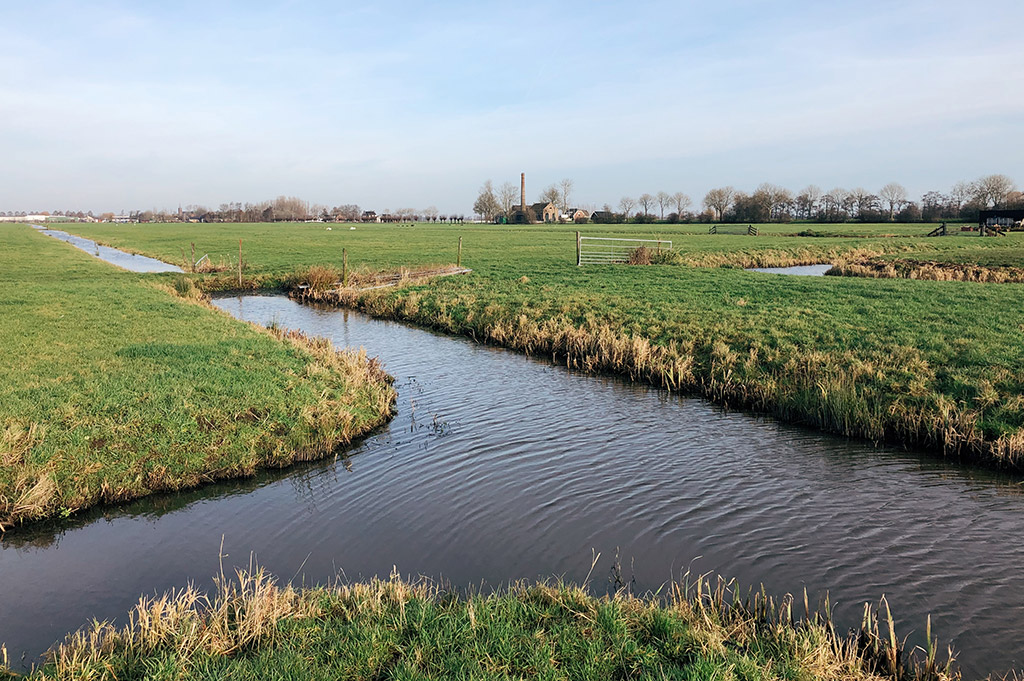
point(118, 105)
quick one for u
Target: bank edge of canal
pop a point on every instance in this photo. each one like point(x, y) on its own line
point(117, 389)
point(847, 651)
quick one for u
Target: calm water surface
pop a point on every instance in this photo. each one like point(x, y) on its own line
point(499, 467)
point(800, 270)
point(129, 261)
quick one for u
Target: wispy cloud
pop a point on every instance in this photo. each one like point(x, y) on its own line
point(147, 104)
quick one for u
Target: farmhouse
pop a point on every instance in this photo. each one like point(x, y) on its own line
point(577, 215)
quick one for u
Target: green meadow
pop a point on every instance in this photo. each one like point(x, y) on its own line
point(929, 364)
point(114, 387)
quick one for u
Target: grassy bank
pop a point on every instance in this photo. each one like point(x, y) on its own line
point(113, 388)
point(935, 365)
point(252, 629)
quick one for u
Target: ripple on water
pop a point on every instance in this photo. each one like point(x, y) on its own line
point(498, 467)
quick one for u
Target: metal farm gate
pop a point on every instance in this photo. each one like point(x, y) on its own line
point(595, 250)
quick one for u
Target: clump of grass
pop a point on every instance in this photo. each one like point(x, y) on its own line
point(251, 627)
point(186, 288)
point(318, 278)
point(639, 256)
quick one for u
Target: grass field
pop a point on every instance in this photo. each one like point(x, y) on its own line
point(931, 364)
point(112, 388)
point(252, 629)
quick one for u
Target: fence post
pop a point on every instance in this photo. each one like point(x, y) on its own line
point(458, 261)
point(193, 261)
point(344, 267)
point(239, 263)
point(579, 255)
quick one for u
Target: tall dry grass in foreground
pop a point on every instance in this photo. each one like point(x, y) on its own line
point(249, 627)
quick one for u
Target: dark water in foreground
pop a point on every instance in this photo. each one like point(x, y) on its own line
point(498, 467)
point(127, 261)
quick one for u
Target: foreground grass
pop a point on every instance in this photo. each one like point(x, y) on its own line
point(252, 629)
point(112, 388)
point(931, 364)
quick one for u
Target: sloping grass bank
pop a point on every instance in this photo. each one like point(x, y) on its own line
point(883, 360)
point(112, 389)
point(251, 628)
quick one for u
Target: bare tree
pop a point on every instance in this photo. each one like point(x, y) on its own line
point(960, 194)
point(832, 203)
point(895, 195)
point(992, 190)
point(719, 200)
point(626, 206)
point(771, 200)
point(807, 201)
point(430, 213)
point(663, 199)
point(507, 195)
point(486, 205)
point(681, 202)
point(565, 187)
point(551, 195)
point(646, 202)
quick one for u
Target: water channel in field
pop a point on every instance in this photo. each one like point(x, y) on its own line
point(499, 467)
point(132, 262)
point(798, 270)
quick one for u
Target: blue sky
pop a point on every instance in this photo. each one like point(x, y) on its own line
point(111, 105)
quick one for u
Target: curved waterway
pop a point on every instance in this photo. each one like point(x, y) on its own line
point(499, 467)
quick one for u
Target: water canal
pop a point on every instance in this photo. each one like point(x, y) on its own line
point(132, 262)
point(797, 270)
point(499, 467)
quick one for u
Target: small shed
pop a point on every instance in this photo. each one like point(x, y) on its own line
point(1001, 219)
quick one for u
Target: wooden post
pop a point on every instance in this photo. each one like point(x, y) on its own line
point(193, 256)
point(239, 263)
point(458, 261)
point(578, 247)
point(344, 267)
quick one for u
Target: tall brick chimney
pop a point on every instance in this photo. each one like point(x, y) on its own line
point(522, 192)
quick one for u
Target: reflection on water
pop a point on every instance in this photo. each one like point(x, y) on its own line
point(498, 467)
point(799, 270)
point(128, 261)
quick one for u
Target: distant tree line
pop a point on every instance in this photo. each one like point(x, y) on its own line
point(767, 203)
point(772, 203)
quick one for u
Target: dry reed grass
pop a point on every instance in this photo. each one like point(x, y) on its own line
point(322, 283)
point(874, 268)
point(249, 613)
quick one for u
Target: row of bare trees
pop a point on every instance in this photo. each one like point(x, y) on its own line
point(771, 203)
